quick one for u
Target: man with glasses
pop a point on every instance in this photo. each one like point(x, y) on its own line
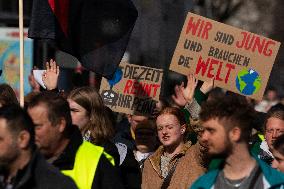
point(278, 153)
point(274, 127)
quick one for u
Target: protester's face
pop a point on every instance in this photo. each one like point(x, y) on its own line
point(170, 132)
point(271, 95)
point(78, 113)
point(145, 139)
point(274, 128)
point(216, 139)
point(135, 119)
point(9, 150)
point(278, 162)
point(47, 136)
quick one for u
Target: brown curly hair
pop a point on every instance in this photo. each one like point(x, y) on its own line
point(233, 109)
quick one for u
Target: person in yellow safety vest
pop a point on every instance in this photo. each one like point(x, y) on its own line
point(88, 112)
point(62, 144)
point(22, 166)
point(90, 115)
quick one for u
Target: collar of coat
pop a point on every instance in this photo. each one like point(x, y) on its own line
point(155, 159)
point(66, 159)
point(274, 178)
point(36, 171)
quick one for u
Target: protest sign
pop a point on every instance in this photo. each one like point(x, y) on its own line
point(10, 58)
point(133, 89)
point(237, 60)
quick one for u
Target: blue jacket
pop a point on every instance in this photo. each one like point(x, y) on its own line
point(272, 179)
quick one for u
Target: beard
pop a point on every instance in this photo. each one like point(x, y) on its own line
point(7, 160)
point(227, 150)
point(3, 169)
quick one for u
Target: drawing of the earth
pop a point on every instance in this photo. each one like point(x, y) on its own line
point(248, 82)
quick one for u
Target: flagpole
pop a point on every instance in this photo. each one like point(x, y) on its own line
point(21, 34)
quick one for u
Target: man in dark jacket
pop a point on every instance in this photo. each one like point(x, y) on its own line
point(63, 146)
point(21, 165)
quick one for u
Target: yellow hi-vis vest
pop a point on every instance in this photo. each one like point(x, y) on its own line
point(261, 136)
point(85, 165)
point(110, 158)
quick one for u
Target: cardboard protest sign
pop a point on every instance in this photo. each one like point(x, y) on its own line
point(238, 60)
point(133, 89)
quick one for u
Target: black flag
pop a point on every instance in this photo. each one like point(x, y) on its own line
point(96, 32)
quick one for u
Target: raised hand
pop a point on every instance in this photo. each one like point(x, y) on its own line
point(188, 91)
point(178, 96)
point(50, 76)
point(207, 86)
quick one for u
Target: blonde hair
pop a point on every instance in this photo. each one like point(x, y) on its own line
point(99, 124)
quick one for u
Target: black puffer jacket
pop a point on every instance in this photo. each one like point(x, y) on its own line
point(38, 174)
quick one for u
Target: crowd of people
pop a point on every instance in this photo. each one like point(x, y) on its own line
point(196, 140)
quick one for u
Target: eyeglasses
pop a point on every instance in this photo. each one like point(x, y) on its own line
point(277, 131)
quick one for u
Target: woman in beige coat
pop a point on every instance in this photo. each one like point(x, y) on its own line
point(177, 163)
